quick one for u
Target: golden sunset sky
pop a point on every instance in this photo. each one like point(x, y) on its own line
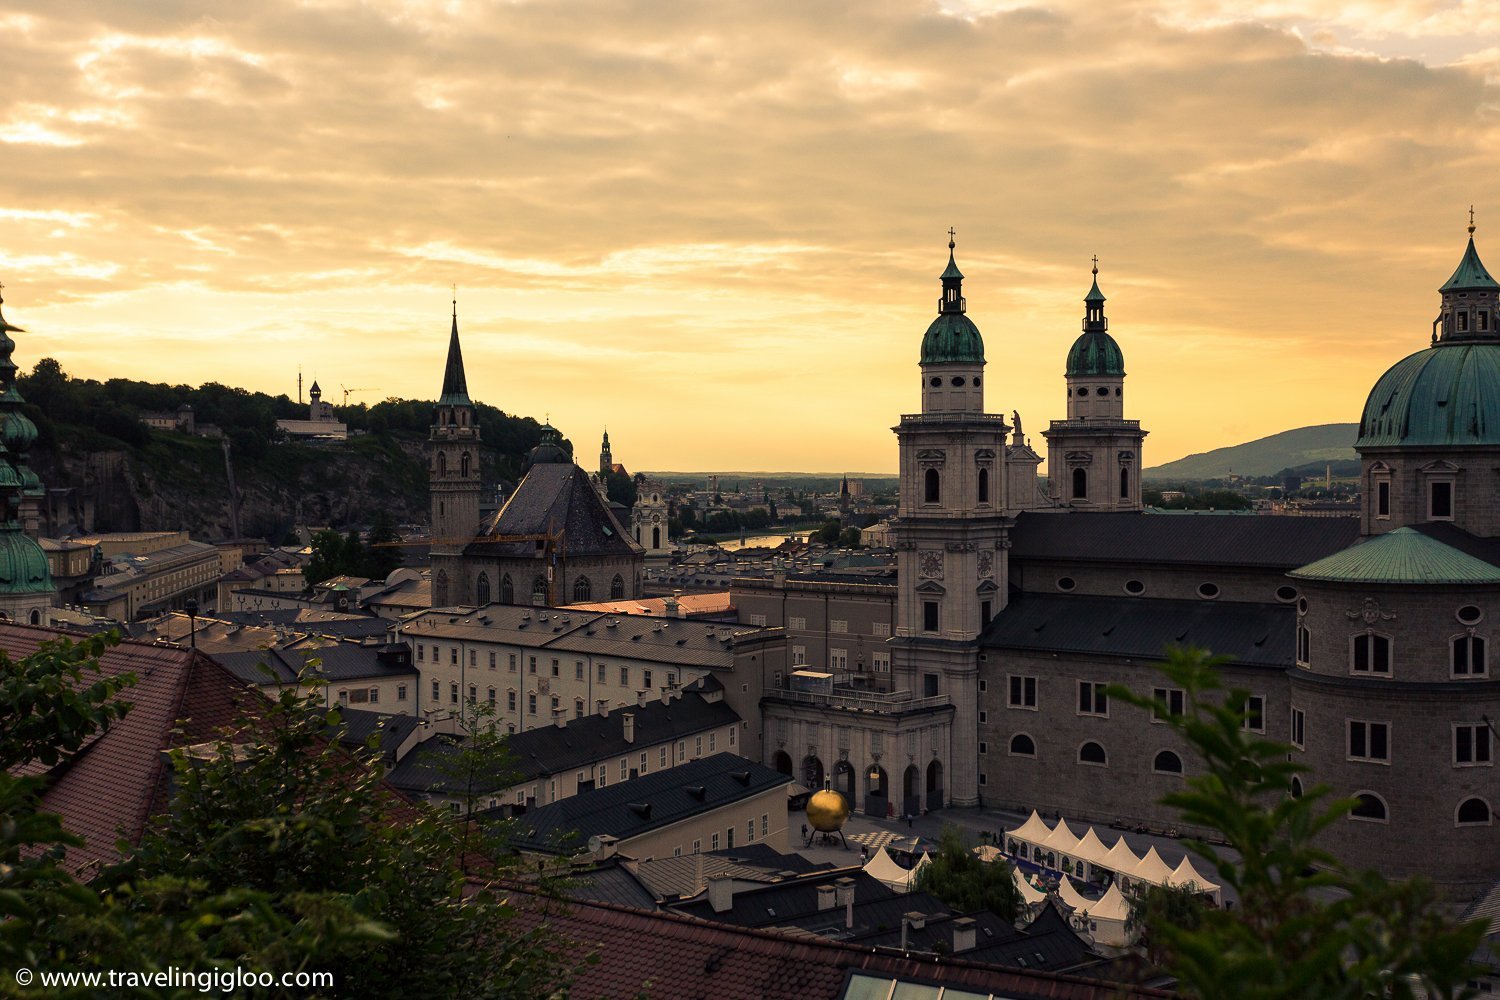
point(717, 227)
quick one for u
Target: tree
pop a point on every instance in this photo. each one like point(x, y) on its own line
point(1176, 906)
point(960, 879)
point(828, 534)
point(849, 538)
point(47, 711)
point(1305, 925)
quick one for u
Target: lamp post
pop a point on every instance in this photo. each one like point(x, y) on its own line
point(191, 607)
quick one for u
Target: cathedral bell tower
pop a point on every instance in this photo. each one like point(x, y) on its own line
point(1094, 456)
point(453, 477)
point(950, 533)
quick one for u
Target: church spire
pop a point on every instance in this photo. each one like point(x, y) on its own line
point(455, 386)
point(953, 282)
point(1093, 316)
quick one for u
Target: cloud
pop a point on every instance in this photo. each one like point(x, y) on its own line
point(718, 226)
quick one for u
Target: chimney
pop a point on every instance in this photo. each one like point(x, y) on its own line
point(559, 718)
point(629, 727)
point(964, 934)
point(721, 893)
point(844, 894)
point(640, 697)
point(912, 921)
point(602, 704)
point(825, 897)
point(670, 607)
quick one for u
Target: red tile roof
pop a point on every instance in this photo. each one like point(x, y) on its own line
point(671, 956)
point(112, 786)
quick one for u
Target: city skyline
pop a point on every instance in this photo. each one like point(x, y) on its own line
point(718, 231)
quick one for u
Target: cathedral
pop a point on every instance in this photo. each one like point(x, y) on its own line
point(554, 542)
point(981, 676)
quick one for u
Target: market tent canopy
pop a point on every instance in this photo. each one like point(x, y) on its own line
point(987, 852)
point(1029, 893)
point(1034, 831)
point(882, 867)
point(1091, 849)
point(1062, 839)
point(1153, 869)
point(1072, 896)
point(1186, 874)
point(1122, 860)
point(1111, 906)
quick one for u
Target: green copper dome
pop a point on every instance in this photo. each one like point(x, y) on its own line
point(1095, 353)
point(1445, 395)
point(23, 565)
point(952, 337)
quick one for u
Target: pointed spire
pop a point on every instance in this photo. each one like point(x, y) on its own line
point(455, 386)
point(1094, 294)
point(1471, 273)
point(953, 282)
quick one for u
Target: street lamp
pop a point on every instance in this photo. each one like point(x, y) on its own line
point(191, 607)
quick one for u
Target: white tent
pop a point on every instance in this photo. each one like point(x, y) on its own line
point(1062, 839)
point(882, 867)
point(1108, 917)
point(1030, 894)
point(987, 852)
point(1122, 860)
point(1186, 874)
point(1153, 869)
point(1034, 831)
point(1092, 849)
point(1072, 896)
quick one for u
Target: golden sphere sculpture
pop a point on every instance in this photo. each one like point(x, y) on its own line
point(827, 810)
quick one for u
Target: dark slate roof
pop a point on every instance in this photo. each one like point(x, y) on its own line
point(611, 882)
point(688, 875)
point(1049, 943)
point(672, 956)
point(1141, 628)
point(555, 749)
point(723, 778)
point(344, 661)
point(335, 624)
point(555, 498)
point(794, 903)
point(1266, 540)
point(357, 726)
point(432, 764)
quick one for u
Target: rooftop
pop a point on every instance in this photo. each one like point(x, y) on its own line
point(1403, 556)
point(1267, 541)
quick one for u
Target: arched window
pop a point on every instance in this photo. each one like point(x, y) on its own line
point(1080, 484)
point(617, 587)
point(507, 590)
point(984, 485)
point(1371, 653)
point(539, 590)
point(1167, 762)
point(581, 589)
point(1092, 753)
point(1472, 812)
point(1468, 655)
point(482, 589)
point(1124, 484)
point(1022, 745)
point(1296, 787)
point(655, 537)
point(442, 464)
point(931, 489)
point(36, 617)
point(463, 464)
point(440, 588)
point(1369, 806)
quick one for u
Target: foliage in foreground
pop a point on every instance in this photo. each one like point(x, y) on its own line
point(281, 853)
point(957, 877)
point(1305, 926)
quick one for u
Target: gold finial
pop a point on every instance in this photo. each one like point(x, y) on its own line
point(1096, 265)
point(1471, 220)
point(951, 234)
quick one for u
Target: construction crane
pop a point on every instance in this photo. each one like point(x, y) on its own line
point(356, 389)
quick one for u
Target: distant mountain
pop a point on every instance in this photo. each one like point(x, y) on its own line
point(1268, 455)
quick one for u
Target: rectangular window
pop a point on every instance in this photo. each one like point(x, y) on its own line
point(400, 692)
point(681, 751)
point(732, 731)
point(1304, 646)
point(603, 674)
point(492, 696)
point(453, 656)
point(473, 657)
point(713, 842)
point(1471, 745)
point(929, 616)
point(577, 708)
point(578, 670)
point(556, 669)
point(697, 847)
point(1383, 499)
point(643, 767)
point(624, 677)
point(765, 824)
point(776, 680)
point(1173, 699)
point(531, 664)
point(1468, 656)
point(757, 620)
point(929, 685)
point(1372, 654)
point(531, 703)
point(729, 837)
point(1022, 691)
point(838, 625)
point(838, 659)
point(453, 693)
point(712, 742)
point(1370, 741)
point(1440, 497)
point(697, 746)
point(624, 769)
point(492, 660)
point(554, 703)
point(473, 694)
point(1255, 714)
point(661, 757)
point(646, 679)
point(603, 775)
point(420, 653)
point(510, 701)
point(984, 716)
point(984, 748)
point(799, 656)
point(881, 630)
point(749, 831)
point(1299, 729)
point(797, 623)
point(512, 662)
point(1091, 698)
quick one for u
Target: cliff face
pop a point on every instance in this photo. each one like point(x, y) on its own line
point(178, 482)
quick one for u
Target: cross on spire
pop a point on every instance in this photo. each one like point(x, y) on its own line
point(1471, 220)
point(1096, 263)
point(951, 234)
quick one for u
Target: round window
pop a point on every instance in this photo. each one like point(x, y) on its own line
point(958, 380)
point(1208, 591)
point(1470, 614)
point(976, 379)
point(1065, 583)
point(1286, 595)
point(1134, 587)
point(1302, 606)
point(935, 381)
point(1083, 392)
point(1102, 391)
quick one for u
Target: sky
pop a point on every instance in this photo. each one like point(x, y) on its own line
point(716, 227)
